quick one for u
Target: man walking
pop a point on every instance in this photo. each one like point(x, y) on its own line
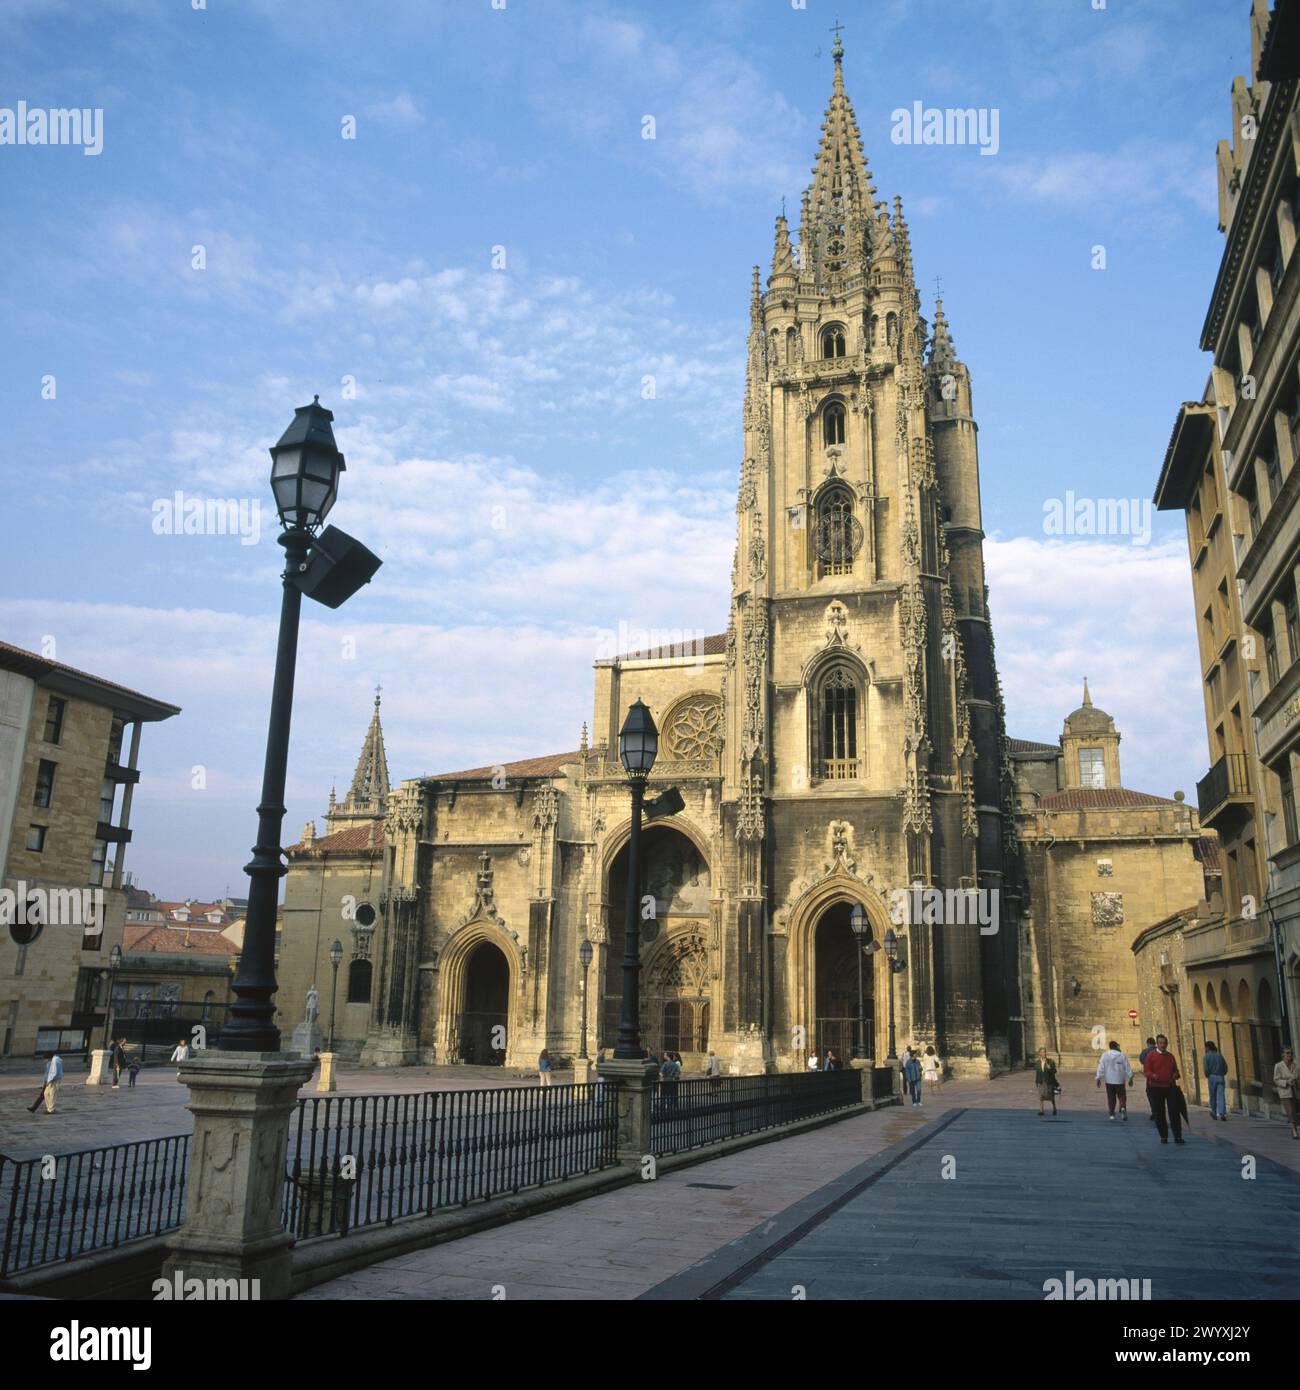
point(912, 1076)
point(1215, 1066)
point(1162, 1074)
point(1115, 1071)
point(1286, 1082)
point(118, 1058)
point(50, 1090)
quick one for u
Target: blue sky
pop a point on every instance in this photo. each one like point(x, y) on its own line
point(526, 498)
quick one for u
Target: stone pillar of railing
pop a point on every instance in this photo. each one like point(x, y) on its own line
point(632, 1084)
point(326, 1081)
point(242, 1104)
point(865, 1067)
point(100, 1072)
point(584, 1071)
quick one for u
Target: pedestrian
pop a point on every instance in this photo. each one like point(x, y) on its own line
point(544, 1067)
point(902, 1064)
point(1161, 1072)
point(813, 1061)
point(49, 1092)
point(1115, 1071)
point(912, 1076)
point(1045, 1080)
point(117, 1060)
point(833, 1062)
point(1286, 1082)
point(670, 1073)
point(1142, 1061)
point(133, 1070)
point(933, 1069)
point(181, 1054)
point(713, 1068)
point(1215, 1066)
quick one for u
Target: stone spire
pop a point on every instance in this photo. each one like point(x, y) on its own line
point(942, 352)
point(782, 252)
point(368, 794)
point(1087, 698)
point(839, 206)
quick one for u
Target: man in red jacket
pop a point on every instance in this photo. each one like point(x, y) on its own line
point(1161, 1072)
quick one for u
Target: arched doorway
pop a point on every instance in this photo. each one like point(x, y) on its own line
point(835, 991)
point(486, 1010)
point(675, 963)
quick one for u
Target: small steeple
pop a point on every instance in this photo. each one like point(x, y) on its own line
point(368, 794)
point(903, 237)
point(1087, 698)
point(942, 352)
point(782, 252)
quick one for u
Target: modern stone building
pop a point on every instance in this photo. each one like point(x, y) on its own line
point(1231, 468)
point(69, 750)
point(841, 740)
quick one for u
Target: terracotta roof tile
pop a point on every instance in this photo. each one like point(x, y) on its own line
point(1207, 851)
point(350, 841)
point(1027, 745)
point(548, 766)
point(1102, 799)
point(707, 646)
point(139, 937)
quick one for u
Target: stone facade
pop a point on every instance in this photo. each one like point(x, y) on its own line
point(1231, 468)
point(69, 744)
point(841, 740)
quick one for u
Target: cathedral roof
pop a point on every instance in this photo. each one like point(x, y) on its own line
point(1028, 745)
point(352, 840)
point(548, 766)
point(708, 646)
point(1102, 799)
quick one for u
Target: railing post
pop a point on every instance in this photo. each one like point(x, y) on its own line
point(630, 1082)
point(241, 1103)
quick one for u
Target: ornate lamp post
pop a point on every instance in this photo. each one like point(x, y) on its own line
point(895, 965)
point(114, 964)
point(328, 566)
point(862, 934)
point(584, 959)
point(336, 956)
point(638, 745)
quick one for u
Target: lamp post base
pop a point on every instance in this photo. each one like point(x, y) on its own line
point(242, 1104)
point(325, 1081)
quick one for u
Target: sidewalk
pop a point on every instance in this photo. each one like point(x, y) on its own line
point(623, 1244)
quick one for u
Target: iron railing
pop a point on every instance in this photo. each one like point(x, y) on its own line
point(357, 1161)
point(62, 1206)
point(1230, 776)
point(689, 1114)
point(882, 1083)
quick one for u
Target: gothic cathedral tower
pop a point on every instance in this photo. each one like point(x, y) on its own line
point(865, 743)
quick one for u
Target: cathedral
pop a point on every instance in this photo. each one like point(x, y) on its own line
point(842, 740)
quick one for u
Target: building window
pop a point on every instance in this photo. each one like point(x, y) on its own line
point(833, 342)
point(1273, 470)
point(839, 726)
point(833, 424)
point(1252, 510)
point(54, 719)
point(115, 739)
point(1092, 767)
point(1288, 803)
point(36, 838)
point(1270, 653)
point(359, 973)
point(1274, 265)
point(837, 533)
point(1292, 629)
point(107, 794)
point(44, 782)
point(97, 858)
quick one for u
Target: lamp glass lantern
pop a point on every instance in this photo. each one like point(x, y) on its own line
point(336, 954)
point(638, 741)
point(584, 954)
point(305, 468)
point(891, 944)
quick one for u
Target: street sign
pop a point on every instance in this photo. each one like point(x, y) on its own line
point(1133, 1013)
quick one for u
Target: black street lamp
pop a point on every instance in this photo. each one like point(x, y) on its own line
point(862, 933)
point(895, 965)
point(336, 955)
point(329, 567)
point(638, 744)
point(584, 959)
point(114, 964)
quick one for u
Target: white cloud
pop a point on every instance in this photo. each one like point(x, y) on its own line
point(401, 111)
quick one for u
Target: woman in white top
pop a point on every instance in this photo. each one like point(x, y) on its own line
point(932, 1069)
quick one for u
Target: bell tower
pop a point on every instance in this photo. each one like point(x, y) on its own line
point(860, 688)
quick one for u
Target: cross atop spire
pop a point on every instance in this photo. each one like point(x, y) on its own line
point(837, 48)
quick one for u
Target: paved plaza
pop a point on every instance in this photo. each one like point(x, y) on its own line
point(860, 1209)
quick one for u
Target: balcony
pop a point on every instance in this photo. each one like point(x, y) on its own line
point(839, 769)
point(1223, 794)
